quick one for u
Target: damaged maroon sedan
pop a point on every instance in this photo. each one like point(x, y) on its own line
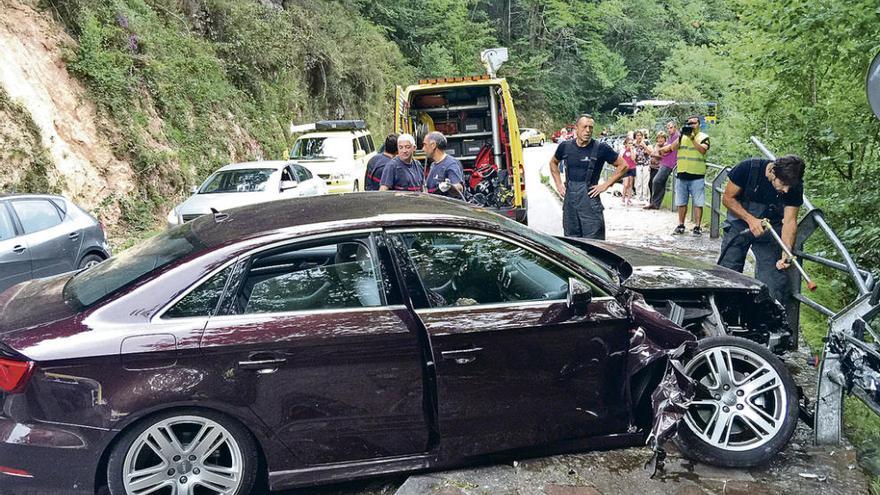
point(310, 341)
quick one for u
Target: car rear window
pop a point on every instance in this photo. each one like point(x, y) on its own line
point(89, 286)
point(244, 180)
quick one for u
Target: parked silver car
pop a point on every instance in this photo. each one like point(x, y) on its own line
point(247, 183)
point(43, 235)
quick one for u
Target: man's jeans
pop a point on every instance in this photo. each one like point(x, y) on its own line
point(659, 186)
point(767, 252)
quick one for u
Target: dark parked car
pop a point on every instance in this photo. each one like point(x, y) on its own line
point(43, 235)
point(316, 340)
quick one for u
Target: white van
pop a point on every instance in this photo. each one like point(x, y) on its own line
point(337, 151)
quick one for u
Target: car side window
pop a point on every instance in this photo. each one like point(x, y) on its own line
point(303, 173)
point(36, 214)
point(370, 142)
point(203, 300)
point(7, 230)
point(354, 146)
point(337, 275)
point(287, 174)
point(364, 145)
point(462, 269)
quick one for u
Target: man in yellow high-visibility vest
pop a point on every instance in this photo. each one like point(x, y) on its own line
point(692, 147)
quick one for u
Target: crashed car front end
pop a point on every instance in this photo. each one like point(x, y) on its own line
point(703, 298)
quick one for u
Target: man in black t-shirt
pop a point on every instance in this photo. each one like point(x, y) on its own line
point(582, 210)
point(376, 165)
point(760, 189)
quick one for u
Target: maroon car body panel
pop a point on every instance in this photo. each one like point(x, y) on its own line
point(359, 393)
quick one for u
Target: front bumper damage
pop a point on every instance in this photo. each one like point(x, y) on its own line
point(659, 349)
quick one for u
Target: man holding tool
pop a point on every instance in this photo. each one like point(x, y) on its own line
point(763, 193)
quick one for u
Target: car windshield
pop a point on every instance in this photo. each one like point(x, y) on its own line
point(321, 147)
point(89, 286)
point(244, 180)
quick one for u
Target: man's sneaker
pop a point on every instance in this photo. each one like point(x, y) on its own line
point(698, 230)
point(678, 230)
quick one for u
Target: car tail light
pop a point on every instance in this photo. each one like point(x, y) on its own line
point(21, 473)
point(14, 375)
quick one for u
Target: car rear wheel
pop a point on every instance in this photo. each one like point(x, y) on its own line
point(89, 261)
point(190, 451)
point(541, 143)
point(745, 409)
point(355, 188)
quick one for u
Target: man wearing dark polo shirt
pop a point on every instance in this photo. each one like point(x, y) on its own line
point(582, 211)
point(760, 189)
point(376, 165)
point(403, 172)
point(446, 175)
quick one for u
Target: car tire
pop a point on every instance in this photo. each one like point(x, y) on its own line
point(188, 462)
point(89, 261)
point(739, 419)
point(355, 188)
point(541, 143)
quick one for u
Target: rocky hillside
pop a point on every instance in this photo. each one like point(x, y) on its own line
point(123, 105)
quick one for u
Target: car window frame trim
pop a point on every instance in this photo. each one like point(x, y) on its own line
point(16, 218)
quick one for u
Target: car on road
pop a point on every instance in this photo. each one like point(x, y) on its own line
point(338, 152)
point(43, 235)
point(532, 137)
point(323, 339)
point(241, 184)
point(563, 134)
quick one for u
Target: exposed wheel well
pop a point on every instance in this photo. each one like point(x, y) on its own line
point(96, 252)
point(101, 469)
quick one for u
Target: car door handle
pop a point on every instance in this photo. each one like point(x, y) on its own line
point(18, 249)
point(461, 356)
point(262, 365)
point(73, 235)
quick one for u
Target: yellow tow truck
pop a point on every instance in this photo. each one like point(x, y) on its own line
point(477, 116)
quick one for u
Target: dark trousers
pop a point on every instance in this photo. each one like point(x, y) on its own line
point(658, 186)
point(651, 183)
point(582, 216)
point(767, 252)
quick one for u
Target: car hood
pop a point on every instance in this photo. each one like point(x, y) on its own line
point(656, 270)
point(30, 311)
point(200, 204)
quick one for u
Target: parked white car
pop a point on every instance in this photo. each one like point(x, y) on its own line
point(338, 152)
point(248, 183)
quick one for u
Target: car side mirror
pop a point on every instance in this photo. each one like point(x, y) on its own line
point(194, 189)
point(360, 154)
point(288, 184)
point(579, 296)
point(872, 85)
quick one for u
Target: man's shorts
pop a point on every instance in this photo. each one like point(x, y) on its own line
point(695, 188)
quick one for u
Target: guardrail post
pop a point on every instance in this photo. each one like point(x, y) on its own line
point(717, 191)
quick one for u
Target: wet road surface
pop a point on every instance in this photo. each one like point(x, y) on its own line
point(800, 469)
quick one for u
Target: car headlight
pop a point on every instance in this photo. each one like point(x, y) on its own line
point(172, 218)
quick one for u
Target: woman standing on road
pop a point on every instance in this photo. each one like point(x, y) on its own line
point(629, 156)
point(643, 173)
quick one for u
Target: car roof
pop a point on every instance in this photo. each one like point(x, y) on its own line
point(31, 196)
point(339, 211)
point(276, 164)
point(342, 133)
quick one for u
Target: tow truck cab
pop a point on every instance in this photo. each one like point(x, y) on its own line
point(472, 112)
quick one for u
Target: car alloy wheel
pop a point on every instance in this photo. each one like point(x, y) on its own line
point(90, 261)
point(186, 453)
point(745, 408)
